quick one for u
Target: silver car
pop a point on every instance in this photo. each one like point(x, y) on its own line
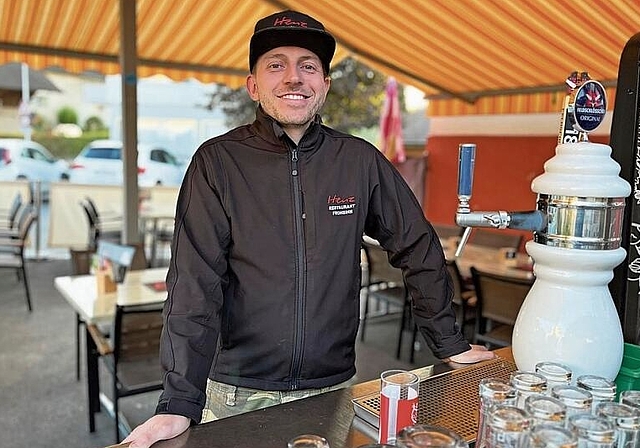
point(29, 160)
point(100, 162)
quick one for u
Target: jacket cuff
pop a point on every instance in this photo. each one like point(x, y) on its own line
point(177, 406)
point(451, 347)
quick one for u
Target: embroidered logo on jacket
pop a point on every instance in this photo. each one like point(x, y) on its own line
point(339, 205)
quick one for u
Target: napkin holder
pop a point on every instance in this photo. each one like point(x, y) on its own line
point(104, 282)
point(114, 259)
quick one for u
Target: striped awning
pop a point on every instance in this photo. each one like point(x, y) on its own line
point(466, 55)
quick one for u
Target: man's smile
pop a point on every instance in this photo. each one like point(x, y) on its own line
point(294, 96)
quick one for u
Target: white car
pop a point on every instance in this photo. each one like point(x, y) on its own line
point(29, 160)
point(100, 162)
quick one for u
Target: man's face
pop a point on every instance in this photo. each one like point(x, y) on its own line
point(290, 85)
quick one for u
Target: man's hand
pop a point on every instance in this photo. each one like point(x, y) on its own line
point(158, 427)
point(476, 354)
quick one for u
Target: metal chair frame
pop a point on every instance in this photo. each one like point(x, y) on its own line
point(12, 248)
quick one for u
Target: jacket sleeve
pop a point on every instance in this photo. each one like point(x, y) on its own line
point(396, 220)
point(195, 283)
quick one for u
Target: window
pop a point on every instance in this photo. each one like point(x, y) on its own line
point(103, 153)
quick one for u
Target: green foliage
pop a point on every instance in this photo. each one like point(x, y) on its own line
point(356, 96)
point(354, 101)
point(67, 115)
point(68, 148)
point(94, 123)
point(236, 105)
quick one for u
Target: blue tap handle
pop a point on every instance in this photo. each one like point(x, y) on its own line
point(466, 161)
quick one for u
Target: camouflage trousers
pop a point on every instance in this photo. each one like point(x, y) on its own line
point(224, 400)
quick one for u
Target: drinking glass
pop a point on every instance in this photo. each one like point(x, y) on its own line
point(545, 409)
point(592, 431)
point(419, 436)
point(492, 391)
point(576, 399)
point(556, 374)
point(377, 445)
point(399, 391)
point(308, 441)
point(626, 421)
point(527, 384)
point(631, 398)
point(549, 436)
point(601, 388)
point(507, 424)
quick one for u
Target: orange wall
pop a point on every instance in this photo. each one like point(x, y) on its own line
point(504, 169)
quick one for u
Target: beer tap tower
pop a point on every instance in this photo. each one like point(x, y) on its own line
point(568, 315)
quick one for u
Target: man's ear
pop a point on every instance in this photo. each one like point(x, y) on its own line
point(252, 88)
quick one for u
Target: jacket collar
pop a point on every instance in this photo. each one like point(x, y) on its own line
point(270, 130)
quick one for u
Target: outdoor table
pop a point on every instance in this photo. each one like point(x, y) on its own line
point(81, 292)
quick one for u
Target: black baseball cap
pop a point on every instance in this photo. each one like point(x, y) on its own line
point(291, 29)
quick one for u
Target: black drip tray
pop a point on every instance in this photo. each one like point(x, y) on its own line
point(450, 400)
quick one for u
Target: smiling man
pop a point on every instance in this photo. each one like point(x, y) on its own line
point(264, 283)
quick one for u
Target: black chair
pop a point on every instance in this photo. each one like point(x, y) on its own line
point(81, 265)
point(109, 230)
point(385, 285)
point(499, 300)
point(12, 248)
point(10, 214)
point(132, 354)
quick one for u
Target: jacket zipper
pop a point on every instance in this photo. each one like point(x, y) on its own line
point(298, 209)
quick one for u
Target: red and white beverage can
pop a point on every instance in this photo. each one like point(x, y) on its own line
point(399, 391)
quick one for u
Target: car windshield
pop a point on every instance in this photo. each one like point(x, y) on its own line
point(103, 153)
point(162, 156)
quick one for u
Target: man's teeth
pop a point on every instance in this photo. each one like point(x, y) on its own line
point(294, 97)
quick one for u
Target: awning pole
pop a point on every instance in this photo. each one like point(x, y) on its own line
point(129, 80)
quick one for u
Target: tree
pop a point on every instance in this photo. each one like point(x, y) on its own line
point(67, 115)
point(236, 104)
point(94, 123)
point(354, 100)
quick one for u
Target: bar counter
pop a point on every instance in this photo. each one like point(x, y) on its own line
point(330, 415)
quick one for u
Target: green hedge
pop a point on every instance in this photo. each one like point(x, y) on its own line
point(68, 148)
point(62, 147)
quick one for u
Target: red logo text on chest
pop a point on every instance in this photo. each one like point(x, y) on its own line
point(339, 205)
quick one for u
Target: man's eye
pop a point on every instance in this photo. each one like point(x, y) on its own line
point(275, 65)
point(309, 67)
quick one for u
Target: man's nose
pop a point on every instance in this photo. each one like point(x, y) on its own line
point(292, 75)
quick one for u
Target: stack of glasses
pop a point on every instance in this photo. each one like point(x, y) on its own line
point(544, 409)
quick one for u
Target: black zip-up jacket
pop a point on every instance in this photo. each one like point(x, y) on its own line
point(264, 281)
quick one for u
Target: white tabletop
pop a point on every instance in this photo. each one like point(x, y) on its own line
point(81, 292)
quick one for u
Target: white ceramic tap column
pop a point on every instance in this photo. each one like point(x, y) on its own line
point(569, 315)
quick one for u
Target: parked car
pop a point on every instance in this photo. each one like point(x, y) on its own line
point(100, 162)
point(29, 160)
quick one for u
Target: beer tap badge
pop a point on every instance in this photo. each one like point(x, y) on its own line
point(590, 106)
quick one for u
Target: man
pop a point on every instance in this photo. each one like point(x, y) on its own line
point(263, 287)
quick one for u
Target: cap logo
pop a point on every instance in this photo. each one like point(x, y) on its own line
point(285, 21)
